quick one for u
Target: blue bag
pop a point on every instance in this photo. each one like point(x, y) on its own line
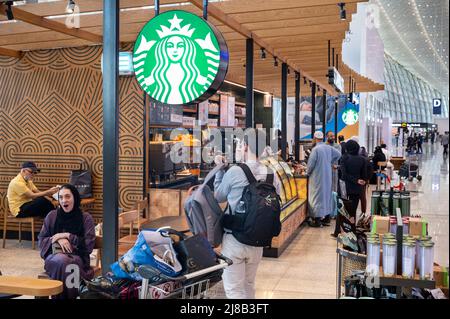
point(153, 249)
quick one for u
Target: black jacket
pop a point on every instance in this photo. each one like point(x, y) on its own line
point(353, 167)
point(379, 157)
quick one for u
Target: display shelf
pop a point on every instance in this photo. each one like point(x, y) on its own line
point(239, 116)
point(213, 113)
point(189, 111)
point(399, 281)
point(169, 126)
point(239, 103)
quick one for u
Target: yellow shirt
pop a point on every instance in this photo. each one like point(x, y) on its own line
point(16, 193)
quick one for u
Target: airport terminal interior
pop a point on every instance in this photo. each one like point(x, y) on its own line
point(124, 126)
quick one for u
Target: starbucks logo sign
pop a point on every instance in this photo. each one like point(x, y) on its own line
point(350, 116)
point(180, 58)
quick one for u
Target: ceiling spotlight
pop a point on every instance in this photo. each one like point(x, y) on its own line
point(263, 53)
point(275, 61)
point(70, 6)
point(8, 10)
point(343, 13)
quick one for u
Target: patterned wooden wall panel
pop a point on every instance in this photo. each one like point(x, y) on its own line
point(51, 112)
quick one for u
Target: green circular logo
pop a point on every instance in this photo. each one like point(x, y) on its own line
point(180, 58)
point(350, 117)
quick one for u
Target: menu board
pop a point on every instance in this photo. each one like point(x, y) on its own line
point(165, 114)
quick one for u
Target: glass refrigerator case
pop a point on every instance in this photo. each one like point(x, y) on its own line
point(288, 189)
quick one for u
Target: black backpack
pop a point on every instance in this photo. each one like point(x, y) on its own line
point(261, 220)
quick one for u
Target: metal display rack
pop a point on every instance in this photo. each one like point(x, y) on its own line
point(398, 281)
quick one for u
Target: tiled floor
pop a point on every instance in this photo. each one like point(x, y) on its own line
point(307, 268)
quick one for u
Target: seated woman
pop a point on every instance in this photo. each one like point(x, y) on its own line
point(66, 240)
point(378, 156)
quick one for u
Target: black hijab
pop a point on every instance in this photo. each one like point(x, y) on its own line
point(71, 222)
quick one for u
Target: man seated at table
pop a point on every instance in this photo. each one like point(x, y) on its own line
point(24, 199)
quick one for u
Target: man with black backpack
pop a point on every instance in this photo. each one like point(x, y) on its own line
point(250, 221)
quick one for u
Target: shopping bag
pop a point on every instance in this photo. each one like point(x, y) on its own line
point(153, 249)
point(82, 180)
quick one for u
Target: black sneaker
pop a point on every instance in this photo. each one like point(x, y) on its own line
point(326, 220)
point(315, 223)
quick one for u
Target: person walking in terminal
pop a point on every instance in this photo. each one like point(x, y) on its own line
point(444, 143)
point(24, 199)
point(319, 170)
point(66, 240)
point(239, 278)
point(419, 144)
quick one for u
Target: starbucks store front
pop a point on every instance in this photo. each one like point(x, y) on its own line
point(147, 95)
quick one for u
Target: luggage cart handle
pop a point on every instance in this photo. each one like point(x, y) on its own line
point(226, 259)
point(222, 264)
point(148, 272)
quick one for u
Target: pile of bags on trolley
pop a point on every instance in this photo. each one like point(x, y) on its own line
point(168, 252)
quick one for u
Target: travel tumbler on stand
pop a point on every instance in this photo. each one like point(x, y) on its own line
point(405, 204)
point(426, 260)
point(408, 253)
point(375, 203)
point(389, 257)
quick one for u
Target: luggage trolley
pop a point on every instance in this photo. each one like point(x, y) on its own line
point(410, 169)
point(196, 285)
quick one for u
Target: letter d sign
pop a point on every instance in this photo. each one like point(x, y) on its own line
point(437, 106)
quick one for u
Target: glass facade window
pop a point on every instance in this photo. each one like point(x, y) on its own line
point(407, 97)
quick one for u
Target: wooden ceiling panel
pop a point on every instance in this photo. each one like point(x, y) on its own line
point(242, 6)
point(297, 32)
point(295, 22)
point(307, 30)
point(295, 13)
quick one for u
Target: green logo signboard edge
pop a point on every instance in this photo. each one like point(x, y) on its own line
point(155, 42)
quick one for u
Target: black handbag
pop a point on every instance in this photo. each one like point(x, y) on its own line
point(82, 180)
point(194, 252)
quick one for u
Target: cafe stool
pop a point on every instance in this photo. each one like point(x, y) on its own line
point(8, 217)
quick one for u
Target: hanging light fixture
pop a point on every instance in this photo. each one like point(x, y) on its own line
point(263, 53)
point(304, 80)
point(342, 13)
point(70, 6)
point(275, 61)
